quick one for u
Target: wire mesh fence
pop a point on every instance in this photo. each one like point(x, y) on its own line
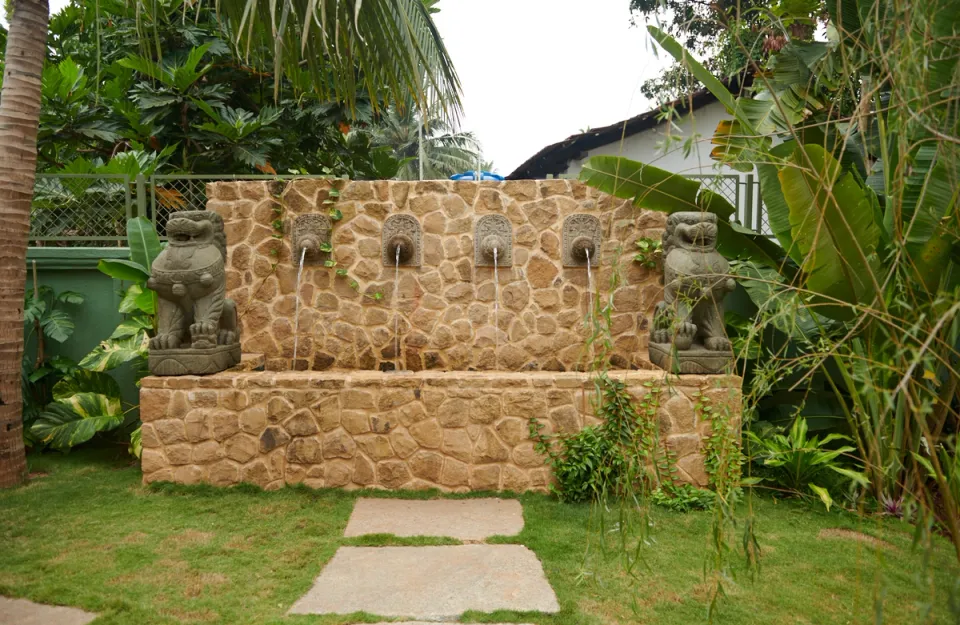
point(91, 210)
point(80, 210)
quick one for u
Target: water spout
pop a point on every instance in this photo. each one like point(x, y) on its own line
point(396, 311)
point(496, 311)
point(296, 318)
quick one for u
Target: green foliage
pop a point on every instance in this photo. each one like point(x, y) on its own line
point(86, 401)
point(49, 311)
point(445, 151)
point(799, 461)
point(683, 498)
point(134, 87)
point(47, 315)
point(649, 252)
point(61, 427)
point(611, 459)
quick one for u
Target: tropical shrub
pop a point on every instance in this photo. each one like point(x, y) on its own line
point(47, 315)
point(87, 401)
point(799, 461)
point(853, 142)
point(622, 456)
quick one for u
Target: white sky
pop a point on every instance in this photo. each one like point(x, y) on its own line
point(537, 71)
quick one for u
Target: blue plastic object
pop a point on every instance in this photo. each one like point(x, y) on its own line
point(472, 175)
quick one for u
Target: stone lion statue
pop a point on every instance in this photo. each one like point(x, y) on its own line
point(696, 279)
point(189, 277)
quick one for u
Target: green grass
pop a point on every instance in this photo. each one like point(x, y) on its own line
point(89, 535)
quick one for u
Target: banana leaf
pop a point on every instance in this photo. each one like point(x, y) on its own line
point(833, 225)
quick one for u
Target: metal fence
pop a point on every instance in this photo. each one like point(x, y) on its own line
point(91, 210)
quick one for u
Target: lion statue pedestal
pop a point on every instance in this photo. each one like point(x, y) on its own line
point(197, 330)
point(688, 334)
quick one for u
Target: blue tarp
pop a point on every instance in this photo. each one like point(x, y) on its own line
point(472, 175)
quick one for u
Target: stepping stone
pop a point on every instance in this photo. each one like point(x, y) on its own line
point(23, 612)
point(467, 519)
point(430, 583)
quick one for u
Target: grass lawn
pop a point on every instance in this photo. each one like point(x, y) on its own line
point(89, 535)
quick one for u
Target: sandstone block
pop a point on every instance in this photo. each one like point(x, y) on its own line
point(393, 473)
point(338, 444)
point(485, 477)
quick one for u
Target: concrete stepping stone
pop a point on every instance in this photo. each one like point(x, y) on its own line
point(430, 583)
point(23, 612)
point(466, 519)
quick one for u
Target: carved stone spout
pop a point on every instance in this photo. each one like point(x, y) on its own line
point(197, 329)
point(583, 248)
point(401, 231)
point(401, 247)
point(688, 332)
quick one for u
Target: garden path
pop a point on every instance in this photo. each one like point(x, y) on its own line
point(437, 582)
point(23, 612)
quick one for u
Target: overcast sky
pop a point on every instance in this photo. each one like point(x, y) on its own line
point(537, 71)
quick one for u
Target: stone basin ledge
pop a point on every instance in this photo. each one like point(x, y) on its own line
point(455, 431)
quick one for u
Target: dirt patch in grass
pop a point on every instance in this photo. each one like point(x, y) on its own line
point(846, 534)
point(189, 538)
point(134, 538)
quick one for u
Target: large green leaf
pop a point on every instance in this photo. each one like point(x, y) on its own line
point(57, 325)
point(83, 381)
point(932, 232)
point(123, 269)
point(112, 353)
point(144, 242)
point(139, 298)
point(778, 212)
point(60, 427)
point(132, 327)
point(648, 186)
point(701, 73)
point(833, 226)
point(91, 405)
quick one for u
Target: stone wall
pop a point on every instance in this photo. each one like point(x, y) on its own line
point(446, 306)
point(454, 431)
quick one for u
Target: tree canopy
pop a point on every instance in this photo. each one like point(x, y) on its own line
point(115, 102)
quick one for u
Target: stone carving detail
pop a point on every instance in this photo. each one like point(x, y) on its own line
point(688, 333)
point(493, 231)
point(581, 234)
point(403, 231)
point(197, 324)
point(310, 232)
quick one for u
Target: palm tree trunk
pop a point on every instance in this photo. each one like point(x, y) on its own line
point(19, 118)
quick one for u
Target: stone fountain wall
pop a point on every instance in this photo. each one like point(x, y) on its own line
point(456, 419)
point(446, 304)
point(452, 431)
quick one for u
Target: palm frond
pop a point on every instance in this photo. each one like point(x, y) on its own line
point(390, 49)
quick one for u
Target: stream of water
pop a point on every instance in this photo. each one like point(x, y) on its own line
point(496, 311)
point(589, 288)
point(296, 314)
point(396, 312)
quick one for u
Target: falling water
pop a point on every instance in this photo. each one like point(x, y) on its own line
point(396, 311)
point(496, 311)
point(296, 318)
point(589, 287)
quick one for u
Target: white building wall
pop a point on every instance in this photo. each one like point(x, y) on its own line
point(646, 146)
